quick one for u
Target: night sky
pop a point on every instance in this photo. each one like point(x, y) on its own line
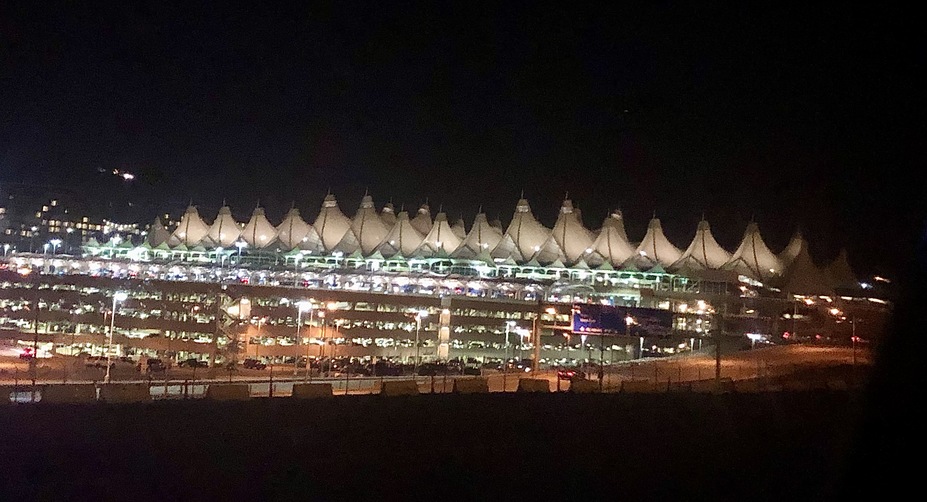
point(794, 116)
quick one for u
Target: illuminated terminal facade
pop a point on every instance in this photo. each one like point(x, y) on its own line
point(383, 284)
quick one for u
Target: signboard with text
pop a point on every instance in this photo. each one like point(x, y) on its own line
point(597, 319)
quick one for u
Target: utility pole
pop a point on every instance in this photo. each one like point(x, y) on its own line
point(718, 335)
point(536, 336)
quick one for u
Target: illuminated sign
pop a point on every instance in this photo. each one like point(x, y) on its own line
point(596, 319)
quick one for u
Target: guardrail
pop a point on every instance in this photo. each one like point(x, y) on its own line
point(173, 390)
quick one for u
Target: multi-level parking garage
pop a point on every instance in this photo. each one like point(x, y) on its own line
point(368, 286)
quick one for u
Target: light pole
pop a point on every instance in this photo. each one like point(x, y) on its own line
point(6, 249)
point(301, 307)
point(508, 326)
point(322, 344)
point(257, 350)
point(418, 327)
point(119, 296)
point(332, 306)
point(308, 364)
point(55, 243)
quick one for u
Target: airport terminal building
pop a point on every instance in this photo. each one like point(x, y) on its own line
point(383, 284)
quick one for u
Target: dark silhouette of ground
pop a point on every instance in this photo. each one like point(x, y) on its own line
point(767, 446)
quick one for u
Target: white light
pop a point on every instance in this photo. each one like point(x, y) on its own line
point(643, 253)
point(304, 305)
point(120, 296)
point(537, 248)
point(588, 250)
point(485, 245)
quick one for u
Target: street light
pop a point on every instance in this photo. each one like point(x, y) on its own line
point(301, 306)
point(55, 243)
point(6, 249)
point(418, 327)
point(119, 296)
point(331, 307)
point(322, 344)
point(308, 345)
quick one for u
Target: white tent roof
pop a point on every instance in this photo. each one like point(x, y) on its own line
point(792, 249)
point(292, 230)
point(349, 244)
point(422, 220)
point(495, 223)
point(506, 249)
point(259, 233)
point(703, 253)
point(403, 239)
point(803, 277)
point(612, 244)
point(549, 253)
point(190, 231)
point(224, 231)
point(312, 242)
point(441, 240)
point(482, 238)
point(331, 224)
point(368, 226)
point(459, 229)
point(655, 249)
point(157, 234)
point(572, 237)
point(388, 215)
point(753, 258)
point(526, 232)
point(840, 274)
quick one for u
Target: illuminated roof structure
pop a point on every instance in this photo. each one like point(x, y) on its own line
point(403, 239)
point(655, 250)
point(440, 241)
point(258, 232)
point(190, 231)
point(367, 230)
point(753, 258)
point(224, 231)
point(611, 245)
point(703, 253)
point(571, 236)
point(292, 231)
point(527, 248)
point(331, 223)
point(525, 232)
point(482, 238)
point(422, 220)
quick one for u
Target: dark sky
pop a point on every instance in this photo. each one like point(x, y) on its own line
point(797, 116)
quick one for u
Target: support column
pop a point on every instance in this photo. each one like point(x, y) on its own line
point(444, 330)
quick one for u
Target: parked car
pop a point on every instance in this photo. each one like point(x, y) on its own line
point(253, 364)
point(151, 365)
point(571, 374)
point(193, 363)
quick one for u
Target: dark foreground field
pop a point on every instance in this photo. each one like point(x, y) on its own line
point(772, 446)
